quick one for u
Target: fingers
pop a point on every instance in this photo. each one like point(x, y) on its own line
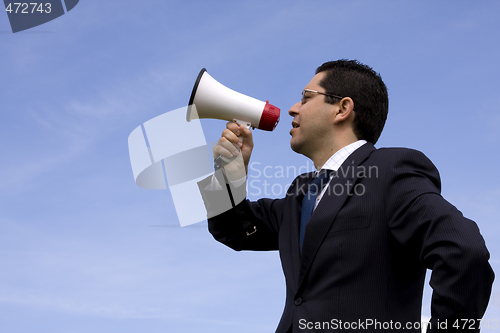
point(226, 148)
point(232, 132)
point(242, 134)
point(227, 145)
point(235, 140)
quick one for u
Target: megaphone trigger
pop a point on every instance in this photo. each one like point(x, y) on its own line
point(243, 123)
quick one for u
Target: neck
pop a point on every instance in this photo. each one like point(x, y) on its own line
point(320, 157)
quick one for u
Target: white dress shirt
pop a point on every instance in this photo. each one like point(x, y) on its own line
point(336, 161)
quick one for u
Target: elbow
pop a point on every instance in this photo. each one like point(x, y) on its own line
point(479, 262)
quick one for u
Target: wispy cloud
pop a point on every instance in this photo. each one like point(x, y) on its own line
point(159, 277)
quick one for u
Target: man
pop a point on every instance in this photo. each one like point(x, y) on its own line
point(359, 261)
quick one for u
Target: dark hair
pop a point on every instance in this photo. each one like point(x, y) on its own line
point(350, 78)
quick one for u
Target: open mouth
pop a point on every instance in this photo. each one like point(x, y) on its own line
point(295, 125)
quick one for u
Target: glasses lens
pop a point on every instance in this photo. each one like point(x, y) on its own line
point(305, 95)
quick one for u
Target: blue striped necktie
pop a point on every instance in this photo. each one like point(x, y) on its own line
point(313, 190)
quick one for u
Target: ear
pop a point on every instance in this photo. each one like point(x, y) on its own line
point(345, 111)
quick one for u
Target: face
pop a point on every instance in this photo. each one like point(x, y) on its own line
point(312, 123)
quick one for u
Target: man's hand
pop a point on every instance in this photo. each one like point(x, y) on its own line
point(232, 148)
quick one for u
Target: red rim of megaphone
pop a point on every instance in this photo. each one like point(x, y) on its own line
point(270, 117)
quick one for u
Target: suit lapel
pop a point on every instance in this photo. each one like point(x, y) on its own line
point(329, 206)
point(297, 192)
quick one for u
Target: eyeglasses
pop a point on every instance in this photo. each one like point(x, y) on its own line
point(317, 92)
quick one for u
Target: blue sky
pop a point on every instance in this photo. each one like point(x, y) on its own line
point(82, 248)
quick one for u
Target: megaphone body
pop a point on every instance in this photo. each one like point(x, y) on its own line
point(216, 101)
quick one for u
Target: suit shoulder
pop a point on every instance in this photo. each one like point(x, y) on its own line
point(407, 162)
point(397, 151)
point(396, 154)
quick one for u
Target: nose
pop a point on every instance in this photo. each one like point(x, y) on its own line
point(294, 110)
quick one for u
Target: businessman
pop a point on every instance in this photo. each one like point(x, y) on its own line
point(355, 236)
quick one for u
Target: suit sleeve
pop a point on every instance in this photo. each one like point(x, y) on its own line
point(230, 225)
point(444, 241)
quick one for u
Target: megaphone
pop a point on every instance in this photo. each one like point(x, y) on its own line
point(216, 101)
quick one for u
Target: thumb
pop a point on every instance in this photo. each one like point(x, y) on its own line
point(246, 136)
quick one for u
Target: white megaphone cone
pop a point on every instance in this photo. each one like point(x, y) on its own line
point(216, 101)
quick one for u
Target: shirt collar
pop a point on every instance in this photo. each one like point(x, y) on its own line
point(340, 156)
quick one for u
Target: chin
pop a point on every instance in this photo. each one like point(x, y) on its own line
point(296, 147)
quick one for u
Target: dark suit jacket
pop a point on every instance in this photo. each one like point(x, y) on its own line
point(367, 246)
